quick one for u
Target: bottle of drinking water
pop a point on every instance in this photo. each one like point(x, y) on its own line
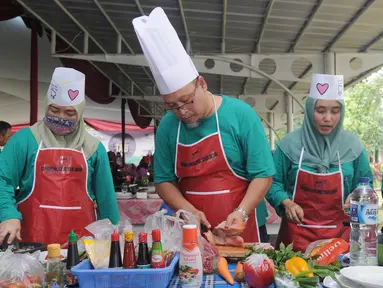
point(364, 225)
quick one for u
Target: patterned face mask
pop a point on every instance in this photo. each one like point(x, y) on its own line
point(60, 126)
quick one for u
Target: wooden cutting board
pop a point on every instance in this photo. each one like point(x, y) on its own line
point(233, 252)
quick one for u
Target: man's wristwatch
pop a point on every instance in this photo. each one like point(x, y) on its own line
point(244, 213)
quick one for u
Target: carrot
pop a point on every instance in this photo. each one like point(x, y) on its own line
point(238, 274)
point(223, 270)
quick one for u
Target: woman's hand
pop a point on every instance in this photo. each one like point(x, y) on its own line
point(11, 227)
point(202, 218)
point(294, 212)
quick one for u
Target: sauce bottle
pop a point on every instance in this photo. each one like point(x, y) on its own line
point(157, 255)
point(53, 276)
point(72, 260)
point(129, 252)
point(190, 265)
point(115, 260)
point(143, 261)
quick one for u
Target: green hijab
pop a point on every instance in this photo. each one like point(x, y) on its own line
point(320, 152)
point(78, 140)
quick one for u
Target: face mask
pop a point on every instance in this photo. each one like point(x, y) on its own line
point(59, 126)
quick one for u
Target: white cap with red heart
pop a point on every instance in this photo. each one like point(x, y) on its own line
point(67, 87)
point(327, 87)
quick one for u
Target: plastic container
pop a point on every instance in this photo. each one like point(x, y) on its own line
point(364, 225)
point(124, 278)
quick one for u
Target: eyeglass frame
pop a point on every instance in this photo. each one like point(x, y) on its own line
point(186, 103)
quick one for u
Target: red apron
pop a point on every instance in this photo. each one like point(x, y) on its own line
point(59, 200)
point(208, 182)
point(321, 198)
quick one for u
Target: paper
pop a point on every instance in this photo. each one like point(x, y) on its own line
point(327, 87)
point(67, 87)
point(171, 66)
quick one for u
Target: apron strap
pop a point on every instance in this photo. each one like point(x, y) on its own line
point(216, 115)
point(337, 153)
point(301, 158)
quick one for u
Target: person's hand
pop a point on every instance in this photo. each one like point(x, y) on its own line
point(11, 227)
point(294, 212)
point(202, 218)
point(347, 203)
point(235, 217)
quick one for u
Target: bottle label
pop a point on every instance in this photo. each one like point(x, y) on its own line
point(364, 213)
point(69, 278)
point(147, 266)
point(188, 274)
point(158, 257)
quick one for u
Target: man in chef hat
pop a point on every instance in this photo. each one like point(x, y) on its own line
point(318, 166)
point(61, 169)
point(212, 155)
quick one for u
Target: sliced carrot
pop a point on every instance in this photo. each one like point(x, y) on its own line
point(239, 276)
point(223, 270)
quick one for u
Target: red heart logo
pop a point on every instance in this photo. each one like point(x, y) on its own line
point(322, 88)
point(73, 94)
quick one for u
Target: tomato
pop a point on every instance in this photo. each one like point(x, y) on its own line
point(259, 271)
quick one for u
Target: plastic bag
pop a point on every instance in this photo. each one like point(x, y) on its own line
point(98, 252)
point(210, 257)
point(171, 228)
point(259, 271)
point(98, 249)
point(102, 229)
point(21, 270)
point(327, 250)
point(285, 279)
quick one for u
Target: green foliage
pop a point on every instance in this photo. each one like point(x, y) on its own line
point(364, 115)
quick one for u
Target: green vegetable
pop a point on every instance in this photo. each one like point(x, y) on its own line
point(320, 272)
point(278, 256)
point(284, 279)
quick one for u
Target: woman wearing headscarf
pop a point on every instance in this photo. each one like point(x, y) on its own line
point(317, 166)
point(63, 172)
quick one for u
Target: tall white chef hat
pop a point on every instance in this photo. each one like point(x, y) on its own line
point(171, 66)
point(328, 87)
point(67, 87)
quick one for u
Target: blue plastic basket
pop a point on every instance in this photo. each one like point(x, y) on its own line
point(124, 278)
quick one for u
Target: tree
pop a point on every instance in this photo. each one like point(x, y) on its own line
point(364, 115)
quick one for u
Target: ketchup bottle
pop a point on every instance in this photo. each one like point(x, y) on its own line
point(115, 251)
point(129, 252)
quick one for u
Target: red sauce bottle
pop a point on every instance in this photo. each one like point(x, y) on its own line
point(129, 252)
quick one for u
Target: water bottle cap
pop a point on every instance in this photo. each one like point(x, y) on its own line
point(364, 180)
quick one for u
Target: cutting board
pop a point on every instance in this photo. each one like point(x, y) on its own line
point(234, 252)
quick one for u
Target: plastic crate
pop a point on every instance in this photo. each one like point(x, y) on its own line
point(124, 278)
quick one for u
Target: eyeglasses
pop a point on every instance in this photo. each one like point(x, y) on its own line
point(186, 105)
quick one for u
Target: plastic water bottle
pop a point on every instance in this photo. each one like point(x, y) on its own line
point(364, 225)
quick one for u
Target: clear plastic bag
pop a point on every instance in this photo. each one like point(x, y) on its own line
point(98, 249)
point(22, 270)
point(171, 228)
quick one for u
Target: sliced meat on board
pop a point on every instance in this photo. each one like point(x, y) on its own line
point(224, 235)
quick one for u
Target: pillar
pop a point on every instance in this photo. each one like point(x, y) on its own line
point(289, 112)
point(271, 131)
point(33, 89)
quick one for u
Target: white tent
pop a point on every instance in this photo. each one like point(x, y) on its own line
point(15, 71)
